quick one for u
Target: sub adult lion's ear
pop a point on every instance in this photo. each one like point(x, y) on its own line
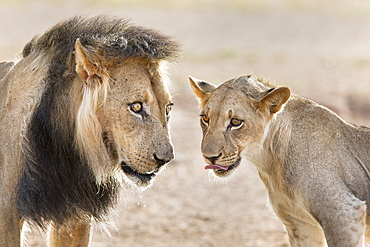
point(202, 89)
point(274, 99)
point(85, 68)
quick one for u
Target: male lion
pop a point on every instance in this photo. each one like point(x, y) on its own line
point(85, 109)
point(314, 165)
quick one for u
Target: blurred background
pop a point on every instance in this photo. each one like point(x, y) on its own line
point(319, 49)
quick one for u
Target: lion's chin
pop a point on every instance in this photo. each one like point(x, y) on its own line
point(139, 179)
point(224, 171)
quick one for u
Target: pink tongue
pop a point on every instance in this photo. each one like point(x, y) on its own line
point(216, 167)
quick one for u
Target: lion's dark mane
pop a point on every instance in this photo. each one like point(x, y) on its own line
point(113, 37)
point(57, 184)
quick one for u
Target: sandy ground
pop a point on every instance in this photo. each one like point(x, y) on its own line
point(320, 51)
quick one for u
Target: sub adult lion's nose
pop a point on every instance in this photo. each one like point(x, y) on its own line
point(212, 159)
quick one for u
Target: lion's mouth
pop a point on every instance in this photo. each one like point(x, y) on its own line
point(220, 168)
point(143, 177)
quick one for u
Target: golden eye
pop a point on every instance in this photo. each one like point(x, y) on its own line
point(234, 122)
point(169, 108)
point(136, 107)
point(204, 119)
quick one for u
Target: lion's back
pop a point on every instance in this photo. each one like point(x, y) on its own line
point(4, 84)
point(324, 149)
point(4, 68)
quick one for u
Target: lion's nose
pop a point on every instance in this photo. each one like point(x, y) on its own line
point(212, 159)
point(162, 160)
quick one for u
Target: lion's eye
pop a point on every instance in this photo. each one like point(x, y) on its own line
point(234, 122)
point(169, 108)
point(136, 107)
point(204, 119)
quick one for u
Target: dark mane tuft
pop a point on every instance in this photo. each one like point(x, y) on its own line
point(112, 37)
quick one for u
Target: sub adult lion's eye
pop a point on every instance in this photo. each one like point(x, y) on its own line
point(136, 107)
point(204, 119)
point(169, 108)
point(234, 122)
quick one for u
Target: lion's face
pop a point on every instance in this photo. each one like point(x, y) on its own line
point(122, 121)
point(135, 123)
point(123, 118)
point(234, 116)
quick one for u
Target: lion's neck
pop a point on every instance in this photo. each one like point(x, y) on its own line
point(268, 155)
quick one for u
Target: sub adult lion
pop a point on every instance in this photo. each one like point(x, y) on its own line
point(84, 111)
point(315, 166)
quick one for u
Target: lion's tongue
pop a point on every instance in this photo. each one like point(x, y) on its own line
point(216, 167)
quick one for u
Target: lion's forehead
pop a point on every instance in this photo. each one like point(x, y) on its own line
point(245, 84)
point(132, 83)
point(227, 103)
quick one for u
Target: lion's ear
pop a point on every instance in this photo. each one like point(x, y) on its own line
point(85, 68)
point(274, 99)
point(202, 89)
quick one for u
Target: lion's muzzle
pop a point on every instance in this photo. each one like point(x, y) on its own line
point(142, 170)
point(144, 178)
point(223, 170)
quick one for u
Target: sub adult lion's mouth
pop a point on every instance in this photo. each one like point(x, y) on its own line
point(143, 177)
point(223, 168)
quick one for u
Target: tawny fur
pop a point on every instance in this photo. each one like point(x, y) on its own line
point(70, 137)
point(315, 166)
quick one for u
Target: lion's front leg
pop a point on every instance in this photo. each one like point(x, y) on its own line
point(303, 234)
point(10, 223)
point(367, 230)
point(73, 234)
point(343, 221)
